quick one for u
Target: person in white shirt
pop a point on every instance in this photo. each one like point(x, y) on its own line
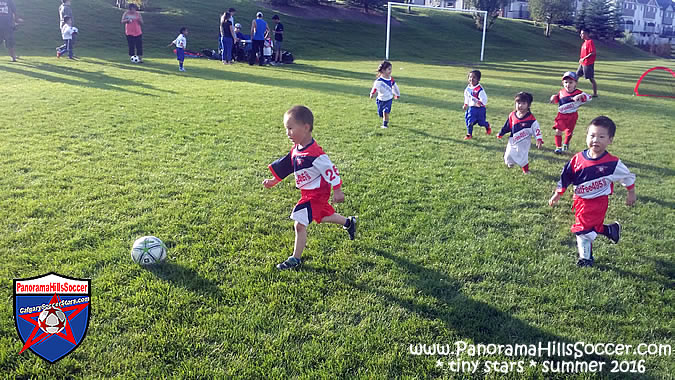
point(181, 44)
point(68, 31)
point(386, 89)
point(475, 101)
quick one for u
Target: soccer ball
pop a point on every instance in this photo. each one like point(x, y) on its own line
point(135, 59)
point(148, 250)
point(52, 320)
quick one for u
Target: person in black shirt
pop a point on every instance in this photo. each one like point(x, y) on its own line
point(278, 38)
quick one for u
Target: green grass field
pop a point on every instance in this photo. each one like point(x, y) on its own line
point(452, 246)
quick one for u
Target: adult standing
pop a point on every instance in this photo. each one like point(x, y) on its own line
point(228, 37)
point(259, 30)
point(232, 11)
point(8, 21)
point(133, 20)
point(587, 60)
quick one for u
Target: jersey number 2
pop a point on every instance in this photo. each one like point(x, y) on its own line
point(329, 173)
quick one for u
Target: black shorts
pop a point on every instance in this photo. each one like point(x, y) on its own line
point(587, 72)
point(7, 35)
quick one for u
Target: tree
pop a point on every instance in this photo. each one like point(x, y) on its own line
point(367, 4)
point(491, 6)
point(550, 12)
point(601, 18)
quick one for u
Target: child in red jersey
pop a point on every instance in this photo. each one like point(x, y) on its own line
point(315, 174)
point(593, 173)
point(569, 99)
point(522, 125)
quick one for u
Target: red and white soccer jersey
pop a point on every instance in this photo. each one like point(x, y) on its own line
point(386, 88)
point(566, 103)
point(315, 174)
point(473, 94)
point(521, 129)
point(593, 181)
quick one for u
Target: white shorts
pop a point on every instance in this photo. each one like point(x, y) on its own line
point(517, 153)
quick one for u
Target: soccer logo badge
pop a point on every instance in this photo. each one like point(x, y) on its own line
point(51, 313)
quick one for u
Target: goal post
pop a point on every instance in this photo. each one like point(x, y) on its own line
point(392, 4)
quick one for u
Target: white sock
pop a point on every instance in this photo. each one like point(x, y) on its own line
point(585, 244)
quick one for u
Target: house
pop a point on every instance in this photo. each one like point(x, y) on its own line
point(516, 9)
point(453, 4)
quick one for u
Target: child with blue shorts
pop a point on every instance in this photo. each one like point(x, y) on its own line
point(181, 43)
point(386, 89)
point(475, 101)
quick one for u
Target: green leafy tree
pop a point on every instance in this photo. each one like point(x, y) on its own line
point(367, 5)
point(491, 6)
point(550, 12)
point(601, 18)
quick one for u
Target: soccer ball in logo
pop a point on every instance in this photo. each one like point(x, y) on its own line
point(52, 320)
point(148, 250)
point(135, 59)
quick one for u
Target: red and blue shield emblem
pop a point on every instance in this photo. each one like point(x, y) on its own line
point(51, 313)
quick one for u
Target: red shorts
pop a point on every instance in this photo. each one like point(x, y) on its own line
point(308, 209)
point(566, 121)
point(589, 214)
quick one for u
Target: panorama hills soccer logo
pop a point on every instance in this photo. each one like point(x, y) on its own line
point(51, 314)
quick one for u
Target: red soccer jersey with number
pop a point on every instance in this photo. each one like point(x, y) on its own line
point(586, 48)
point(314, 172)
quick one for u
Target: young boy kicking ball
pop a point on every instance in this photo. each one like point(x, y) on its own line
point(593, 172)
point(315, 174)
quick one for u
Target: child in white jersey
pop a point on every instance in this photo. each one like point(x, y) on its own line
point(386, 89)
point(522, 125)
point(181, 43)
point(475, 101)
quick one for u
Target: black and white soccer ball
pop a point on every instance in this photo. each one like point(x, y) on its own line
point(52, 320)
point(148, 250)
point(135, 59)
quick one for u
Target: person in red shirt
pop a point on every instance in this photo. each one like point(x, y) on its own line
point(587, 60)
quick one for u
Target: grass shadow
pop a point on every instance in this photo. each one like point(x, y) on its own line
point(186, 278)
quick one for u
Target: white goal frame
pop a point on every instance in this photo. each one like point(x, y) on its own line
point(391, 4)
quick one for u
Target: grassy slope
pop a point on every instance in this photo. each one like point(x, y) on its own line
point(452, 246)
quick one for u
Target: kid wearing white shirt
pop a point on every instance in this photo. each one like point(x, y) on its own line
point(181, 43)
point(386, 89)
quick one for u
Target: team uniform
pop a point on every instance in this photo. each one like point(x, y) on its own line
point(521, 129)
point(475, 114)
point(315, 175)
point(386, 89)
point(567, 116)
point(181, 44)
point(593, 181)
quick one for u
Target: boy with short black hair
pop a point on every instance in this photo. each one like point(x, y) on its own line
point(278, 39)
point(522, 125)
point(593, 173)
point(569, 99)
point(181, 43)
point(67, 32)
point(475, 100)
point(315, 174)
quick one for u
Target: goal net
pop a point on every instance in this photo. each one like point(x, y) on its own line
point(657, 82)
point(452, 37)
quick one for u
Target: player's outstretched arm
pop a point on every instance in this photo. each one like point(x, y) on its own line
point(631, 197)
point(338, 195)
point(554, 199)
point(270, 182)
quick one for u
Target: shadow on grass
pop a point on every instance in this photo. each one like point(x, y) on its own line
point(79, 77)
point(667, 203)
point(472, 320)
point(186, 278)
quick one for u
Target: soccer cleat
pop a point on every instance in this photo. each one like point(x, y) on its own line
point(181, 69)
point(352, 227)
point(58, 54)
point(290, 263)
point(488, 130)
point(585, 262)
point(565, 147)
point(468, 137)
point(558, 150)
point(384, 126)
point(614, 232)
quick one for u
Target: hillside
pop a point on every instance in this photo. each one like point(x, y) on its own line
point(424, 36)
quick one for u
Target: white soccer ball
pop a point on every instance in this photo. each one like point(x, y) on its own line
point(52, 320)
point(135, 59)
point(148, 250)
